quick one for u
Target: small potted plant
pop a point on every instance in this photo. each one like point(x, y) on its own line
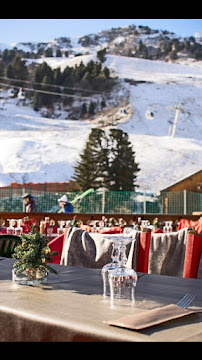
point(33, 255)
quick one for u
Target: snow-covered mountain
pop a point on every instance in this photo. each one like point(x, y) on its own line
point(34, 148)
point(126, 41)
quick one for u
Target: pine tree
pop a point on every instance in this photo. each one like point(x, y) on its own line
point(107, 161)
point(122, 166)
point(101, 55)
point(83, 109)
point(84, 170)
point(106, 72)
point(1, 69)
point(57, 76)
point(46, 98)
point(58, 53)
point(43, 70)
point(36, 101)
point(96, 70)
point(91, 170)
point(48, 52)
point(91, 108)
point(19, 68)
point(9, 71)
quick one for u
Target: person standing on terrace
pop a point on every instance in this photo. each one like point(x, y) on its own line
point(65, 205)
point(30, 205)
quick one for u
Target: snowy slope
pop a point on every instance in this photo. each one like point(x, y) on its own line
point(37, 149)
point(186, 71)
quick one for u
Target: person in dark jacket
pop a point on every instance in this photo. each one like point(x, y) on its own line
point(30, 205)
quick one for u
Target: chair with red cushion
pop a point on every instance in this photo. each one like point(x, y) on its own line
point(143, 251)
point(57, 245)
point(192, 255)
point(8, 244)
point(183, 223)
point(191, 258)
point(162, 253)
point(197, 226)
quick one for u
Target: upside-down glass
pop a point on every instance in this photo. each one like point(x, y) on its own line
point(122, 280)
point(10, 228)
point(60, 230)
point(18, 229)
point(168, 226)
point(108, 267)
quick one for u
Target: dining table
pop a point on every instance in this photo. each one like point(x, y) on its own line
point(70, 308)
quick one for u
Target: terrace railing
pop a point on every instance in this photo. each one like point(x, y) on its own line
point(109, 202)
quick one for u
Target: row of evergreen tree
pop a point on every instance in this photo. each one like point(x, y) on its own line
point(108, 161)
point(9, 54)
point(93, 76)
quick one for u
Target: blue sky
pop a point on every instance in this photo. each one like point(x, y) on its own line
point(24, 30)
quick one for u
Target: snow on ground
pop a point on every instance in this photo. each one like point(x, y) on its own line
point(165, 160)
point(38, 149)
point(63, 62)
point(157, 71)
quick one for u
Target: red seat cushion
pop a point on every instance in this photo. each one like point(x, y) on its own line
point(143, 252)
point(57, 245)
point(192, 255)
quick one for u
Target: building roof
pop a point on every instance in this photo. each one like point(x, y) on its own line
point(183, 179)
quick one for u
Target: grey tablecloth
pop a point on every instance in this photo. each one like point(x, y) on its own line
point(71, 308)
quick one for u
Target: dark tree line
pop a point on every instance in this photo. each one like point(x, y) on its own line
point(93, 76)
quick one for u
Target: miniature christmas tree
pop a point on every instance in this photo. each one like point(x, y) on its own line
point(33, 254)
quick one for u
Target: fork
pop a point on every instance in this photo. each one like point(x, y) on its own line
point(186, 301)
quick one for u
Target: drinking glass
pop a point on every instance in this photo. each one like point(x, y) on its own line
point(122, 280)
point(60, 230)
point(18, 229)
point(108, 267)
point(144, 224)
point(10, 228)
point(168, 226)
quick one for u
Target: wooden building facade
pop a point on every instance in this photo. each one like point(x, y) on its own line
point(191, 183)
point(183, 197)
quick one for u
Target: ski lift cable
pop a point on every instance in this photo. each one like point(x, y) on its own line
point(52, 85)
point(45, 92)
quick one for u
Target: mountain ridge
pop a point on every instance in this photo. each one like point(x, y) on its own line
point(132, 40)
